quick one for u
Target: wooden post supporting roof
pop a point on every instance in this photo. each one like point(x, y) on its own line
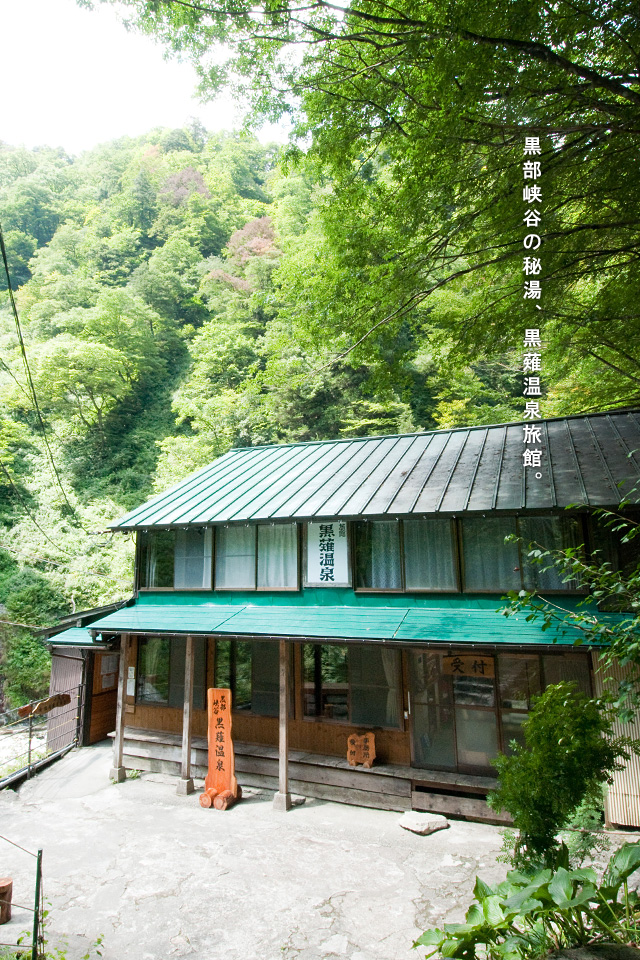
point(282, 799)
point(118, 772)
point(185, 786)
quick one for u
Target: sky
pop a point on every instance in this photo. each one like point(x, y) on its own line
point(77, 77)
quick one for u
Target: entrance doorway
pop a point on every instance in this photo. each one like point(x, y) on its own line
point(465, 707)
point(453, 711)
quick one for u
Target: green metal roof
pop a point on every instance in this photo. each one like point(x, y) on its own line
point(74, 637)
point(445, 623)
point(588, 460)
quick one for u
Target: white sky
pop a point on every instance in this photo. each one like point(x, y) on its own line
point(74, 78)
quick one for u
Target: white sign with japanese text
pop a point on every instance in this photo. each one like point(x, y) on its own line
point(327, 555)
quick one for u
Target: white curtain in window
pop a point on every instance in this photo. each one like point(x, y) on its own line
point(428, 555)
point(489, 562)
point(550, 533)
point(278, 555)
point(192, 563)
point(385, 555)
point(236, 557)
point(391, 667)
point(152, 563)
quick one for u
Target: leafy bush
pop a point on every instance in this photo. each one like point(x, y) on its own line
point(25, 663)
point(526, 916)
point(569, 752)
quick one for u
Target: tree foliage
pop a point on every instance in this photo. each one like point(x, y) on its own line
point(570, 750)
point(418, 112)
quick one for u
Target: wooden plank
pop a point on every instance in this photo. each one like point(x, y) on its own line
point(188, 709)
point(221, 776)
point(282, 800)
point(320, 791)
point(469, 807)
point(308, 773)
point(117, 771)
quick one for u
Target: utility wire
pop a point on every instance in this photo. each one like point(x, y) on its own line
point(56, 563)
point(13, 377)
point(28, 370)
point(28, 511)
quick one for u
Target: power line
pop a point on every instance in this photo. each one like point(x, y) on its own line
point(28, 370)
point(28, 511)
point(55, 563)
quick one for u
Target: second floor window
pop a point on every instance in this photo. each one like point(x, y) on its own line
point(263, 556)
point(409, 554)
point(178, 559)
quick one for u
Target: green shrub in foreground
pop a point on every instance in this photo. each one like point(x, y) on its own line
point(526, 916)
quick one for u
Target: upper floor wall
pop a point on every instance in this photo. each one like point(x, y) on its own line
point(421, 555)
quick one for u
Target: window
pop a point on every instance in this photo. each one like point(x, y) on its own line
point(490, 563)
point(495, 566)
point(161, 663)
point(265, 555)
point(278, 556)
point(374, 684)
point(250, 669)
point(461, 717)
point(550, 533)
point(429, 555)
point(156, 558)
point(378, 558)
point(236, 558)
point(178, 559)
point(607, 546)
point(406, 555)
point(520, 679)
point(192, 559)
point(358, 684)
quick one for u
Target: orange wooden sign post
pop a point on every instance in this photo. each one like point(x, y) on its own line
point(220, 787)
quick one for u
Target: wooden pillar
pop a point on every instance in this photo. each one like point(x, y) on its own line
point(282, 799)
point(118, 772)
point(185, 786)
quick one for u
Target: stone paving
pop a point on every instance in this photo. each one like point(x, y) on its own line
point(159, 877)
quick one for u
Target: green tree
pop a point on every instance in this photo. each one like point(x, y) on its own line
point(419, 112)
point(569, 751)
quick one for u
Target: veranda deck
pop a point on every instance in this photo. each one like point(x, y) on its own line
point(384, 786)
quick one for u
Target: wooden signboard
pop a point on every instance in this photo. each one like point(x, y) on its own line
point(361, 748)
point(220, 787)
point(44, 706)
point(468, 665)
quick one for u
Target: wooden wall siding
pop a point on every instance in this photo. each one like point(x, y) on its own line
point(102, 703)
point(103, 716)
point(169, 719)
point(66, 677)
point(328, 739)
point(622, 806)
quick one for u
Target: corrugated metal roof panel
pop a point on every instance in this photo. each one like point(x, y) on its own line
point(431, 624)
point(586, 460)
point(73, 637)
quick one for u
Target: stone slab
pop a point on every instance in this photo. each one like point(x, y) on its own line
point(423, 823)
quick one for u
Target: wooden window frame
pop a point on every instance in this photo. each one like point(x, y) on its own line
point(404, 589)
point(349, 723)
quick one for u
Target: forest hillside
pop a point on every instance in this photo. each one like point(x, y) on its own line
point(179, 294)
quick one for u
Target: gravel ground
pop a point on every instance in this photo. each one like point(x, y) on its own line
point(159, 877)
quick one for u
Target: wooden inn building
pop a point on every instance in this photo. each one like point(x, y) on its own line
point(356, 585)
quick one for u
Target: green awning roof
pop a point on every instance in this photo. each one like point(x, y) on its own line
point(432, 624)
point(74, 637)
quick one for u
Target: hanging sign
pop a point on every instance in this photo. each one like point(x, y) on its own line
point(468, 665)
point(327, 555)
